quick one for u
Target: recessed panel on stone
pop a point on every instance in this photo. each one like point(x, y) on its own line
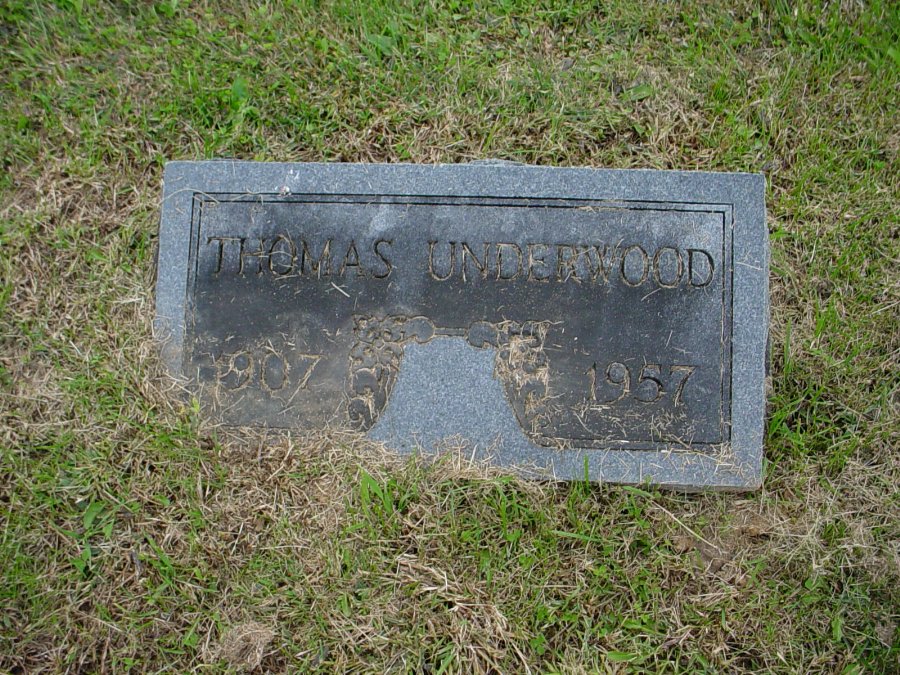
point(562, 322)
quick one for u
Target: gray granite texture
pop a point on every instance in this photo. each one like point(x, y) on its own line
point(560, 322)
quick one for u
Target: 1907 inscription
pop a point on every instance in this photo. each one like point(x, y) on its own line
point(609, 323)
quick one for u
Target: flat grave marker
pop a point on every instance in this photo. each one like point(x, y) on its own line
point(564, 322)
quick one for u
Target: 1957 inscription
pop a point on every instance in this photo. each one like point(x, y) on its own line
point(302, 308)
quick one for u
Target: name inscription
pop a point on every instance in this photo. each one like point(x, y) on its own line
point(281, 256)
point(608, 330)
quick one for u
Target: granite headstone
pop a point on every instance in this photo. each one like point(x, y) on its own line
point(567, 323)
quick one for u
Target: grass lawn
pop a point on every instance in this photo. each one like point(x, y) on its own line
point(135, 536)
